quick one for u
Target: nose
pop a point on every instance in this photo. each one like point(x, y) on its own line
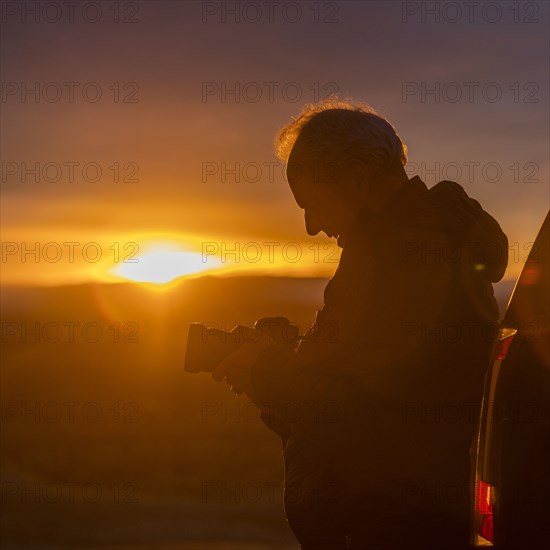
point(312, 223)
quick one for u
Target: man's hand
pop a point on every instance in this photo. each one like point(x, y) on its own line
point(236, 368)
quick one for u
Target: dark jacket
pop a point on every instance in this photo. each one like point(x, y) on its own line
point(378, 405)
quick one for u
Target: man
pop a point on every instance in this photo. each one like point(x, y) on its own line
point(387, 382)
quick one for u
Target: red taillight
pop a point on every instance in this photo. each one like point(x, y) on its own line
point(484, 492)
point(484, 505)
point(487, 528)
point(503, 346)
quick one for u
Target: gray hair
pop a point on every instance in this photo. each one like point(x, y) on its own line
point(344, 131)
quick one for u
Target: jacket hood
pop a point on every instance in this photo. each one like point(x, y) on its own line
point(469, 226)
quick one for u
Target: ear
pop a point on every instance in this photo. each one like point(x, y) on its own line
point(364, 191)
point(360, 173)
point(360, 180)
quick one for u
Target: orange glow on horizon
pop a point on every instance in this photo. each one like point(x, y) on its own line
point(160, 259)
point(157, 259)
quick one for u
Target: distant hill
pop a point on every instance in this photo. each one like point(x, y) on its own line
point(236, 294)
point(229, 290)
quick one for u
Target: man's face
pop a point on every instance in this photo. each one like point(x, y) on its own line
point(329, 196)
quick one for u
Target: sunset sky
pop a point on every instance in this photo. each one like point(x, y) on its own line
point(168, 121)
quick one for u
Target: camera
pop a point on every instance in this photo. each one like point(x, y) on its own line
point(207, 345)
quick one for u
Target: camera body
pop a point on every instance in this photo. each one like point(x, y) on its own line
point(207, 345)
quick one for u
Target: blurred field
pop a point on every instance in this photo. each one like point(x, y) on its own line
point(110, 444)
point(124, 448)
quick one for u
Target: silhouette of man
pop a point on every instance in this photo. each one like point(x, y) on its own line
point(377, 405)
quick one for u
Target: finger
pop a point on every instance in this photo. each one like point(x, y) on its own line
point(223, 368)
point(228, 363)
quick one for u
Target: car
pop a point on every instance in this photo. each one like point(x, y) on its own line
point(510, 474)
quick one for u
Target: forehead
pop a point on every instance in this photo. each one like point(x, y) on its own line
point(303, 163)
point(300, 173)
point(299, 160)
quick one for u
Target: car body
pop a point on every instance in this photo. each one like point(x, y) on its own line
point(511, 450)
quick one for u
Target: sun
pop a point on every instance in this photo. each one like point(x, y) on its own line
point(162, 265)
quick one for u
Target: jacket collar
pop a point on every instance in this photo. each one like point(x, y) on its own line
point(369, 222)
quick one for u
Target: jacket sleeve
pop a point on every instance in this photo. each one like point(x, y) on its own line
point(287, 387)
